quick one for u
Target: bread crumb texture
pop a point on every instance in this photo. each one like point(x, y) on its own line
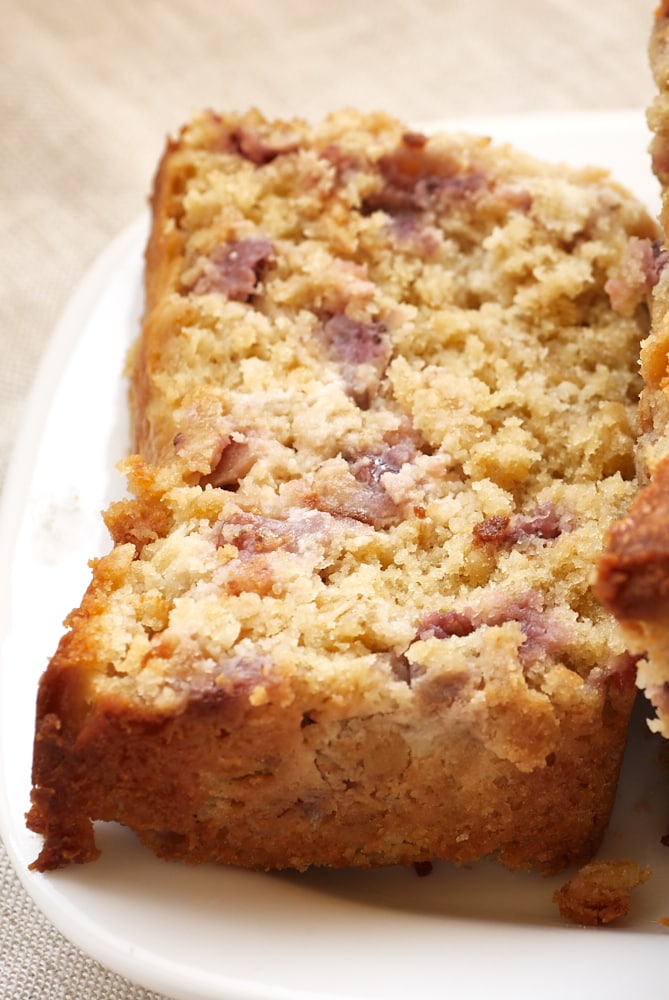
point(600, 892)
point(384, 402)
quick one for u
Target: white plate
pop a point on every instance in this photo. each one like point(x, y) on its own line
point(222, 933)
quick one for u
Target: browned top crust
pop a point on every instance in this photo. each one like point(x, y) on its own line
point(600, 892)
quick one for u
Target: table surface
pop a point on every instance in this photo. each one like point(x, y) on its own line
point(90, 90)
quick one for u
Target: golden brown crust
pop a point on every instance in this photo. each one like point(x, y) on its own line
point(633, 574)
point(165, 244)
point(163, 259)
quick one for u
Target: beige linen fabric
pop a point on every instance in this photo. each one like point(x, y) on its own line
point(89, 90)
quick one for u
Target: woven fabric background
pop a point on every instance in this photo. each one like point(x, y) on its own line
point(88, 92)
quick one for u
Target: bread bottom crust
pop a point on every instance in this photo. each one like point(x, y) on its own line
point(263, 788)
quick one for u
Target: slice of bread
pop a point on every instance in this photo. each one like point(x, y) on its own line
point(383, 403)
